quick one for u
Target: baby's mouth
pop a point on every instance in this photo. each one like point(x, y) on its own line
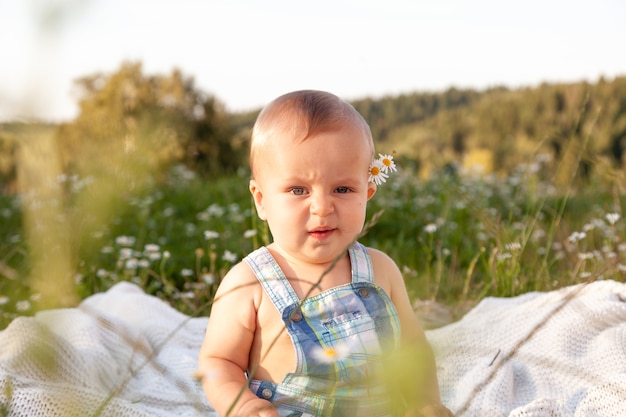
point(321, 232)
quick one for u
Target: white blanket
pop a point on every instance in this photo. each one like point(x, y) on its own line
point(120, 353)
point(124, 353)
point(561, 353)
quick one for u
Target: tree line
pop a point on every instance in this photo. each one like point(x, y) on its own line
point(580, 127)
point(155, 121)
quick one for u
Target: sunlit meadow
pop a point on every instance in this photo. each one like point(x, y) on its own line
point(457, 237)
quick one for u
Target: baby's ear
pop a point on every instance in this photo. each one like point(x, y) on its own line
point(371, 190)
point(257, 196)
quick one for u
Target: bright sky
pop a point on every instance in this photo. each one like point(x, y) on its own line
point(247, 52)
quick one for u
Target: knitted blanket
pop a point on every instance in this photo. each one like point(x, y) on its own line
point(120, 353)
point(124, 353)
point(561, 353)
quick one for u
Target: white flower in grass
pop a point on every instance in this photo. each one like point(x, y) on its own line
point(330, 354)
point(249, 233)
point(131, 264)
point(210, 234)
point(187, 295)
point(152, 247)
point(215, 210)
point(125, 240)
point(612, 218)
point(154, 256)
point(208, 278)
point(430, 228)
point(126, 253)
point(589, 227)
point(106, 249)
point(23, 305)
point(503, 256)
point(513, 246)
point(576, 236)
point(203, 216)
point(186, 272)
point(229, 256)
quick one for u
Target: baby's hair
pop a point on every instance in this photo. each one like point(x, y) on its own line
point(302, 114)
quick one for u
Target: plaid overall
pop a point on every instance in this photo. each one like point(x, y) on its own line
point(357, 319)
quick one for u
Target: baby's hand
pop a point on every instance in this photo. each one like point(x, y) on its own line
point(430, 410)
point(258, 408)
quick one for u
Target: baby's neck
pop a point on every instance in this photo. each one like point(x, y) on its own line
point(308, 279)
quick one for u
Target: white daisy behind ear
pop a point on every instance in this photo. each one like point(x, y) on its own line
point(387, 163)
point(377, 175)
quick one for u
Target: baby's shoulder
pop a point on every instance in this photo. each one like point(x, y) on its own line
point(386, 272)
point(380, 258)
point(239, 284)
point(236, 301)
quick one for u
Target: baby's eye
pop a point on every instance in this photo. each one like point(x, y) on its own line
point(342, 190)
point(297, 191)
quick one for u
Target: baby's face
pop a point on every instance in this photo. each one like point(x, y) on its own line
point(314, 193)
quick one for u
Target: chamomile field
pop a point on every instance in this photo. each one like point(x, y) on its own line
point(457, 237)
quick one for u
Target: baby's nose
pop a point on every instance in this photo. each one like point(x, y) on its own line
point(321, 205)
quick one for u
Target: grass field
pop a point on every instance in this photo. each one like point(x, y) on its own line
point(456, 238)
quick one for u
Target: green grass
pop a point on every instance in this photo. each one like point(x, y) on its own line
point(457, 239)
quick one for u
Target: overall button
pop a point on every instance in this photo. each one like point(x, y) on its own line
point(364, 292)
point(296, 315)
point(267, 393)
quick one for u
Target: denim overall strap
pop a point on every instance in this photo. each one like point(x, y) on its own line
point(362, 270)
point(272, 278)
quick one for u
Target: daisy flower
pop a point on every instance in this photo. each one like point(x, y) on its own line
point(612, 218)
point(229, 256)
point(330, 354)
point(208, 278)
point(23, 305)
point(250, 233)
point(387, 163)
point(377, 175)
point(210, 234)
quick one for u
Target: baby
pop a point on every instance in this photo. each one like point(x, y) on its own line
point(313, 323)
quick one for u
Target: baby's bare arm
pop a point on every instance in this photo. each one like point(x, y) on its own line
point(225, 351)
point(229, 395)
point(415, 372)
